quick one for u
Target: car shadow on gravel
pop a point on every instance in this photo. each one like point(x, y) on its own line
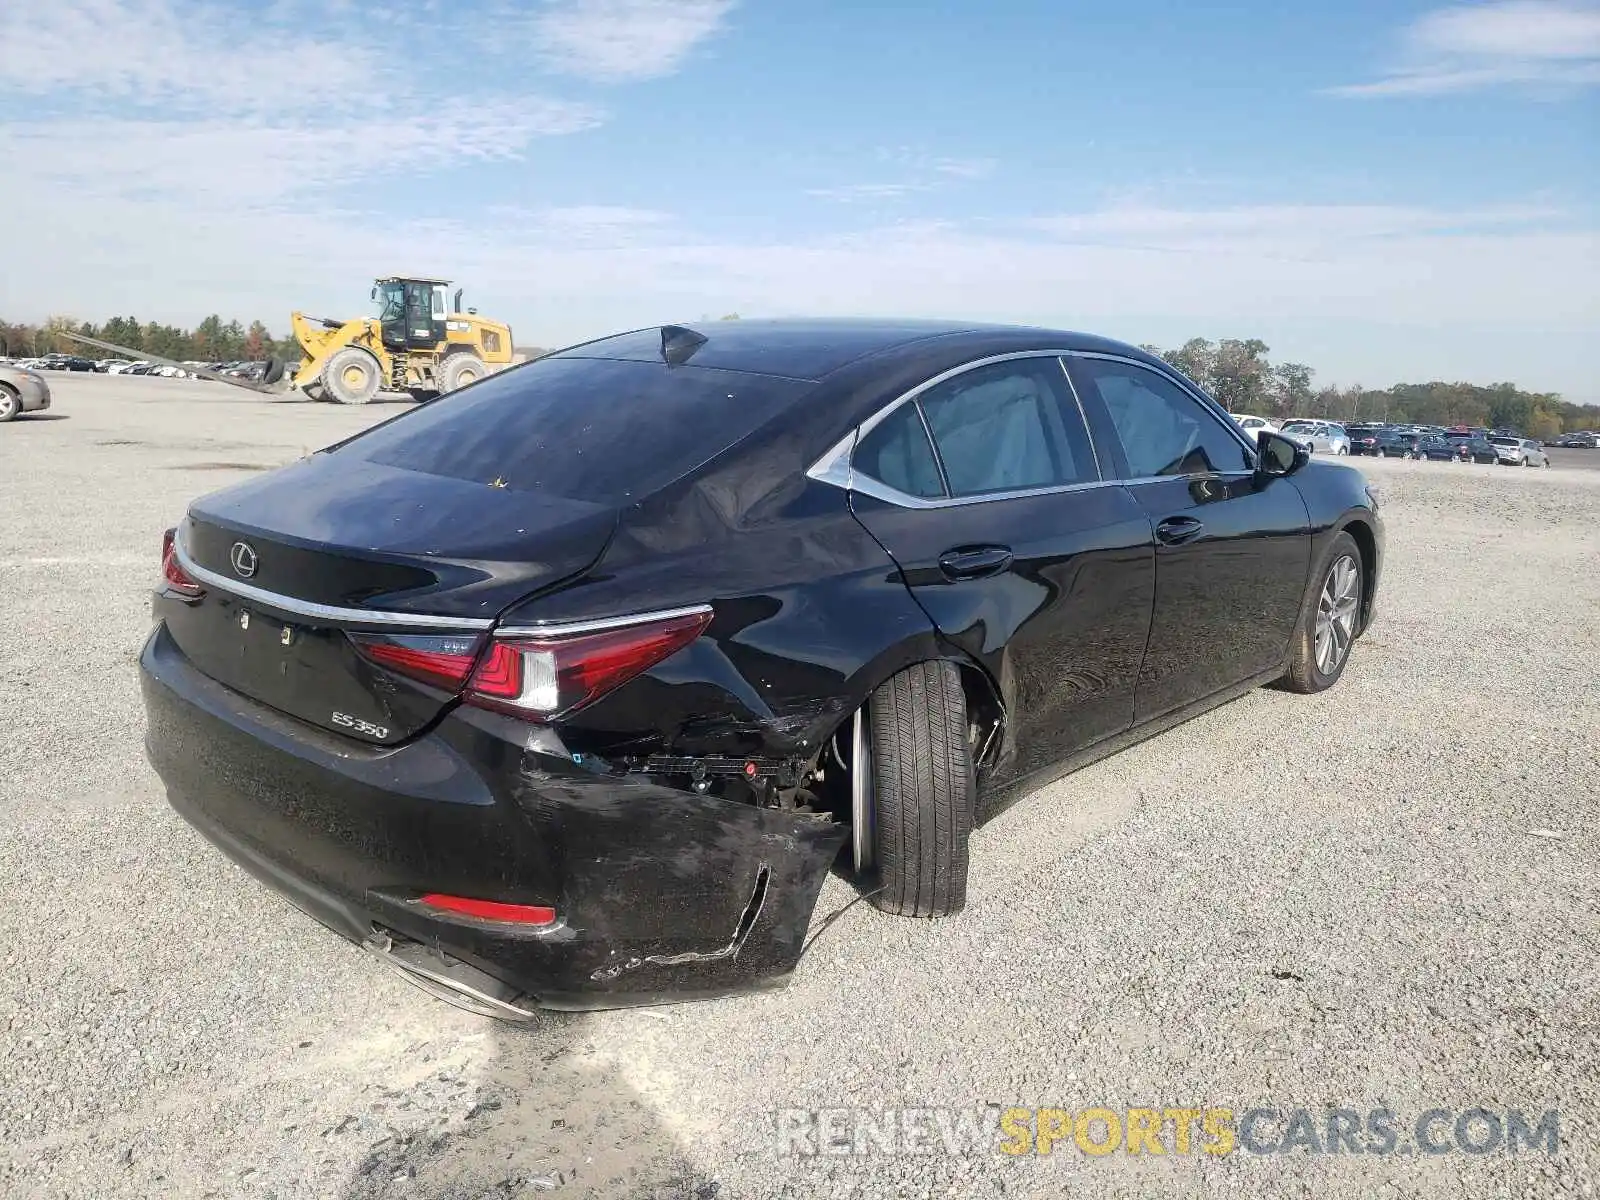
point(540, 1108)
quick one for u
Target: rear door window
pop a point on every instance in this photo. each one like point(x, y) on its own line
point(1009, 426)
point(586, 429)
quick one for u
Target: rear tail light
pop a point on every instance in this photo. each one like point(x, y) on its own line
point(539, 675)
point(173, 575)
point(442, 661)
point(550, 675)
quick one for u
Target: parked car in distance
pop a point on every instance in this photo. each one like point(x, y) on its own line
point(1396, 443)
point(1533, 453)
point(1519, 452)
point(1433, 448)
point(1473, 448)
point(493, 690)
point(1578, 441)
point(22, 390)
point(1320, 437)
point(1253, 424)
point(1364, 438)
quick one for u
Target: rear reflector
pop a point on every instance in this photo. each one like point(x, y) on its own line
point(491, 910)
point(549, 675)
point(172, 574)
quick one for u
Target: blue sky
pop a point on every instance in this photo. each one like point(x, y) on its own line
point(1385, 191)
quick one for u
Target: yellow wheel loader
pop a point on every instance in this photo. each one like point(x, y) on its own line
point(414, 342)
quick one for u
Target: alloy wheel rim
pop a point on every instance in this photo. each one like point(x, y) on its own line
point(8, 404)
point(1336, 614)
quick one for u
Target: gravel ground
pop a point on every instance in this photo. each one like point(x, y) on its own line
point(1383, 896)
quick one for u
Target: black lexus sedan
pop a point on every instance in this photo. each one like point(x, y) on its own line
point(569, 688)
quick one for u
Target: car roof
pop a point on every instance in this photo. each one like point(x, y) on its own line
point(814, 348)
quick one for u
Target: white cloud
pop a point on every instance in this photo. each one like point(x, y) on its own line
point(964, 168)
point(200, 59)
point(614, 41)
point(1546, 46)
point(853, 192)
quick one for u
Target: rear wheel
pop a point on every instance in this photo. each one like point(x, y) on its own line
point(10, 402)
point(1330, 622)
point(351, 376)
point(460, 370)
point(922, 791)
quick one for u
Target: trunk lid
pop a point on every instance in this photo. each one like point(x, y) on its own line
point(294, 562)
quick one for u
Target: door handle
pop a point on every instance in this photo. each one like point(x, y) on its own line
point(1175, 531)
point(974, 562)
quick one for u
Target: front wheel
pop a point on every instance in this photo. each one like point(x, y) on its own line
point(460, 370)
point(922, 791)
point(352, 376)
point(10, 403)
point(1330, 621)
point(1342, 450)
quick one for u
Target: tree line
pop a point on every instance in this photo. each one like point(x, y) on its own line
point(1241, 376)
point(213, 340)
point(1236, 371)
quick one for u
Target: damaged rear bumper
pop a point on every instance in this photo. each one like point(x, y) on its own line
point(660, 895)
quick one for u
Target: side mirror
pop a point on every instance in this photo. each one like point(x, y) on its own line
point(1277, 456)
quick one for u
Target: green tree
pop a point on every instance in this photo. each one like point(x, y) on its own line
point(1239, 374)
point(1196, 358)
point(1289, 389)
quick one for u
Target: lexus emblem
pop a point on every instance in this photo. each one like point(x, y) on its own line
point(243, 558)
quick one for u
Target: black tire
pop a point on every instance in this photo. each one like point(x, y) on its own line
point(1308, 674)
point(10, 403)
point(314, 391)
point(923, 791)
point(459, 370)
point(351, 376)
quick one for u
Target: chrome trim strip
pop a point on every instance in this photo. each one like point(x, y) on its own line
point(321, 612)
point(557, 629)
point(933, 449)
point(871, 422)
point(1083, 415)
point(834, 466)
point(869, 486)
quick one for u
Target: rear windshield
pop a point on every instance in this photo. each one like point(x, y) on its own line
point(587, 429)
point(1506, 441)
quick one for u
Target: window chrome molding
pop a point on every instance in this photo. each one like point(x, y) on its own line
point(835, 467)
point(321, 612)
point(560, 629)
point(869, 486)
point(882, 414)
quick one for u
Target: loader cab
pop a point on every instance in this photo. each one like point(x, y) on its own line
point(410, 312)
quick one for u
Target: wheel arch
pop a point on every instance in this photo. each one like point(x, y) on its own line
point(1366, 540)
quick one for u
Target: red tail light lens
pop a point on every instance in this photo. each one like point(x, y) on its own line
point(491, 910)
point(550, 675)
point(172, 574)
point(441, 661)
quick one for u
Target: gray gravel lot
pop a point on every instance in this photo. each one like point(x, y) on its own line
point(1383, 896)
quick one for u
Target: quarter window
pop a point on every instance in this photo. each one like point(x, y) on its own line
point(1008, 426)
point(896, 452)
point(1163, 429)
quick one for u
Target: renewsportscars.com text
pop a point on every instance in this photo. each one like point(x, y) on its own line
point(1215, 1130)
